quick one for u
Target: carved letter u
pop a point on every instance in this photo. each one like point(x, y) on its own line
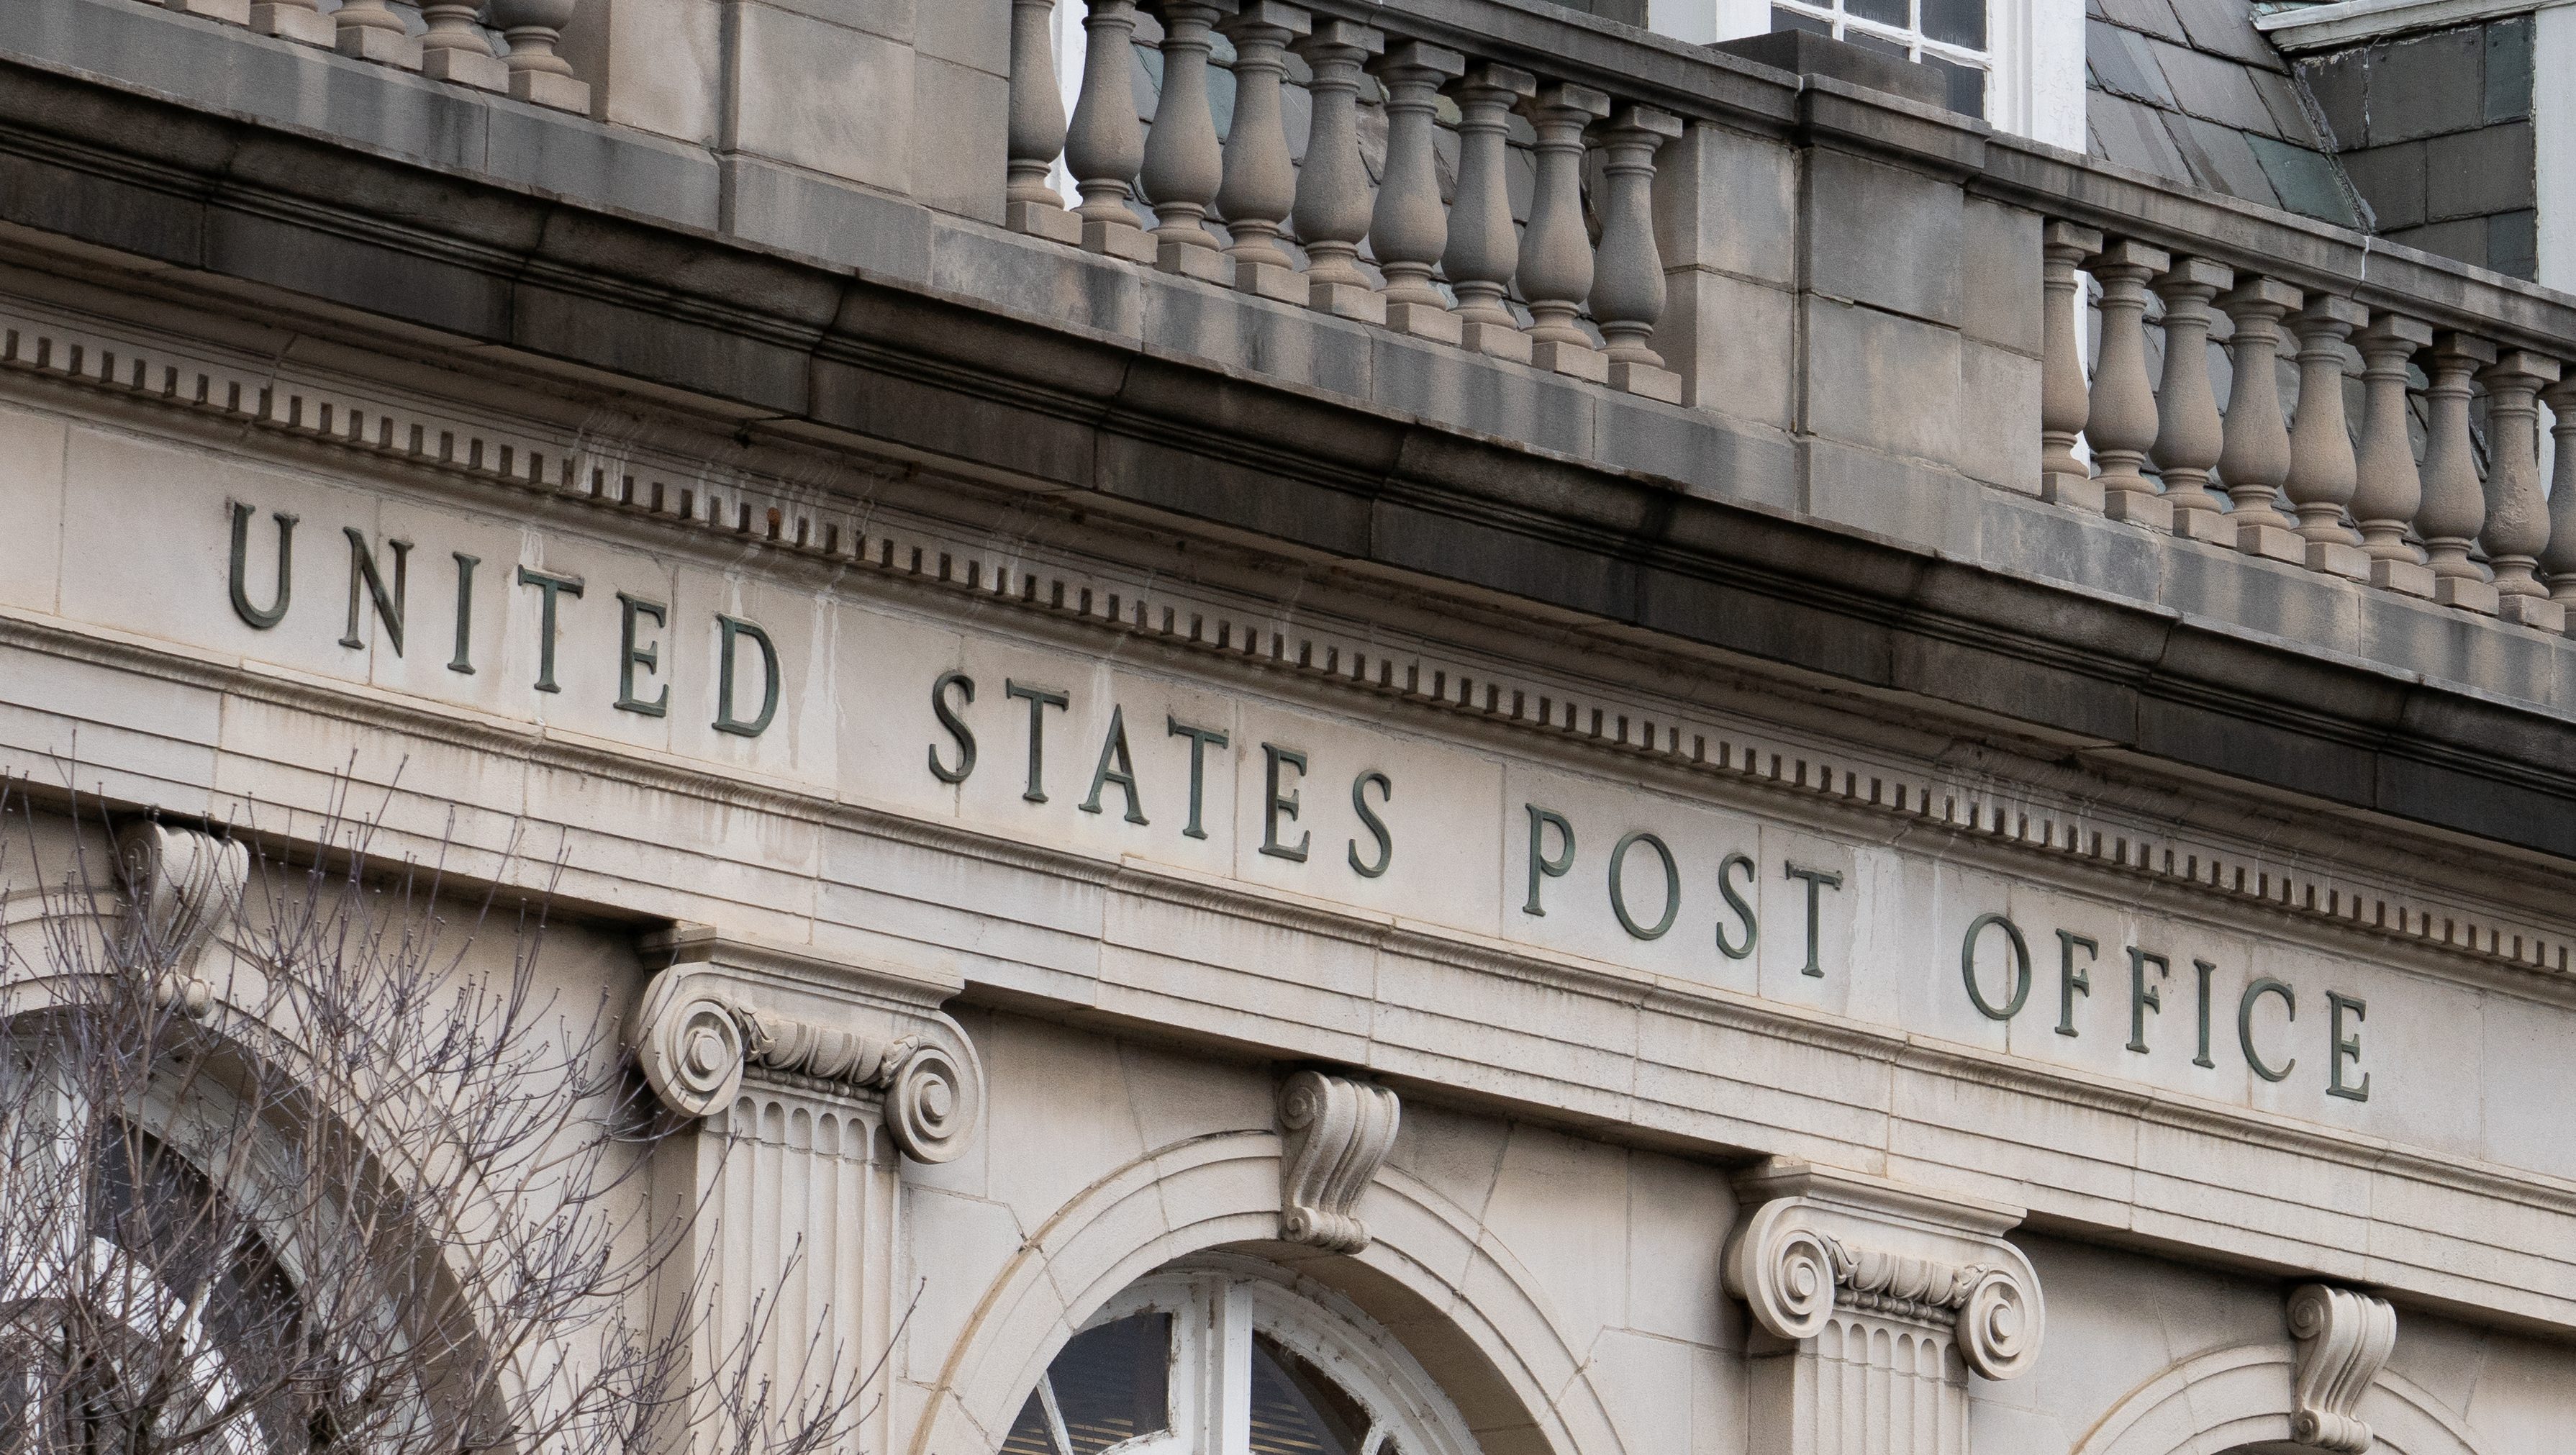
point(275, 612)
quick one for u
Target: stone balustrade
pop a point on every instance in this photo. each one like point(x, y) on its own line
point(2464, 523)
point(458, 44)
point(1174, 195)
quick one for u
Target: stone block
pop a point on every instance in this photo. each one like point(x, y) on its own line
point(2272, 542)
point(960, 131)
point(2338, 559)
point(973, 33)
point(2407, 578)
point(2204, 525)
point(1207, 264)
point(1421, 320)
point(1998, 416)
point(2538, 612)
point(795, 210)
point(1118, 240)
point(296, 23)
point(2475, 173)
point(1647, 380)
point(2076, 492)
point(1728, 201)
point(1884, 236)
point(1037, 277)
point(1456, 388)
point(2467, 593)
point(1999, 275)
point(656, 64)
point(2138, 508)
point(831, 99)
point(1731, 341)
point(384, 47)
point(1356, 301)
point(231, 12)
point(1575, 361)
point(1494, 340)
point(547, 88)
point(1882, 380)
point(1270, 280)
point(463, 68)
point(1056, 224)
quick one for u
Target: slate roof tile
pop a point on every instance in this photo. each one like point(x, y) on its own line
point(2132, 135)
point(2214, 89)
point(2305, 181)
point(2221, 159)
point(2124, 66)
point(2226, 27)
point(2155, 17)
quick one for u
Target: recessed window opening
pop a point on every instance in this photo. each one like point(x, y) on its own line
point(1948, 35)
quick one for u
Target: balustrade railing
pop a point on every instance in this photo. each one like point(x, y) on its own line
point(456, 43)
point(1460, 270)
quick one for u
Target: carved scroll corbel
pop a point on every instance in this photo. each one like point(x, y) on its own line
point(2345, 1338)
point(185, 885)
point(1338, 1133)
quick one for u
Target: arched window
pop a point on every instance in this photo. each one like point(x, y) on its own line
point(1228, 1355)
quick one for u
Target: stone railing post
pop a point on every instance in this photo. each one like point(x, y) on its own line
point(1183, 163)
point(1872, 1303)
point(2188, 431)
point(2256, 458)
point(2323, 474)
point(2517, 525)
point(537, 74)
point(1410, 228)
point(454, 50)
point(369, 30)
point(2122, 425)
point(2558, 561)
point(1260, 180)
point(1628, 277)
point(2455, 505)
point(1333, 204)
point(2064, 403)
point(2388, 490)
point(1105, 146)
point(1556, 248)
point(1482, 248)
point(1037, 127)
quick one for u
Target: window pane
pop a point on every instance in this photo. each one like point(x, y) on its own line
point(1113, 1383)
point(1885, 12)
point(1967, 86)
point(1879, 44)
point(1029, 1432)
point(1296, 1410)
point(1792, 20)
point(1960, 22)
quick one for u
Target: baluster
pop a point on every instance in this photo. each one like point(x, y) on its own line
point(2188, 431)
point(454, 50)
point(371, 31)
point(537, 74)
point(2063, 404)
point(300, 20)
point(1628, 284)
point(1556, 248)
point(1182, 162)
point(1105, 146)
point(1483, 249)
point(2388, 491)
point(1260, 180)
point(2558, 562)
point(1333, 184)
point(2455, 506)
point(2122, 425)
point(2517, 526)
point(2256, 458)
point(1037, 127)
point(2323, 474)
point(1409, 229)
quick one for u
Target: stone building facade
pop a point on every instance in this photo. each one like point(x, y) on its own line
point(1524, 740)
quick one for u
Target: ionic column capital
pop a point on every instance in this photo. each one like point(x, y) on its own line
point(720, 1007)
point(1816, 1244)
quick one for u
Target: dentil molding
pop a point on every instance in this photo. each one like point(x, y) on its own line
point(184, 886)
point(2345, 1338)
point(719, 1007)
point(1817, 1245)
point(1338, 1133)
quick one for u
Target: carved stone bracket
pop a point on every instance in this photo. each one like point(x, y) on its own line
point(2344, 1340)
point(1338, 1133)
point(720, 1007)
point(1818, 1242)
point(185, 886)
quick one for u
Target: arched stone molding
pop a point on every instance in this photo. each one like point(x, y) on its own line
point(1470, 1312)
point(2242, 1398)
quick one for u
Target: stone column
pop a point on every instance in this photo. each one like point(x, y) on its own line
point(1037, 127)
point(1556, 249)
point(2322, 474)
point(537, 74)
point(2188, 431)
point(1872, 1303)
point(1105, 146)
point(2517, 526)
point(2389, 490)
point(1410, 226)
point(1260, 180)
point(1482, 247)
point(1628, 277)
point(2558, 562)
point(453, 50)
point(2257, 455)
point(1182, 161)
point(814, 1079)
point(369, 30)
point(2455, 505)
point(2063, 405)
point(2122, 426)
point(1332, 212)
